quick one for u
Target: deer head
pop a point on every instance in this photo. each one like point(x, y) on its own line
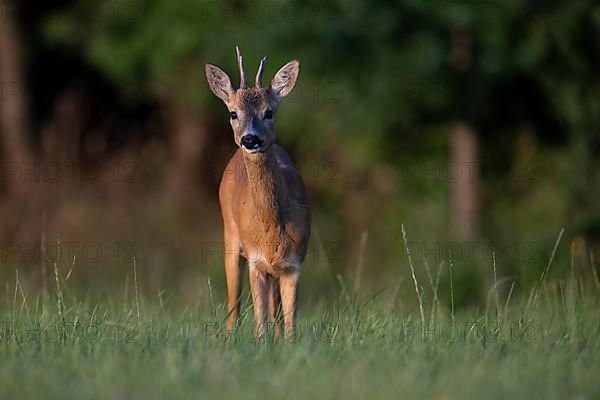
point(252, 110)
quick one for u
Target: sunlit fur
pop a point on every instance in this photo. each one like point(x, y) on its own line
point(264, 203)
point(250, 106)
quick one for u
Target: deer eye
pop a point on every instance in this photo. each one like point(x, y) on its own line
point(233, 115)
point(269, 114)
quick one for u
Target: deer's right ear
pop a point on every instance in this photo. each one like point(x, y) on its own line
point(219, 82)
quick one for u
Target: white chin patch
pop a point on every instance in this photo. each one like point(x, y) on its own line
point(252, 151)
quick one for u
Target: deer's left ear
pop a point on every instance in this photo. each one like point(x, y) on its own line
point(285, 79)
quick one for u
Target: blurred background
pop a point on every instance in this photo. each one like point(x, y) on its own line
point(472, 123)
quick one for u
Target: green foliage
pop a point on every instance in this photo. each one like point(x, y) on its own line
point(382, 83)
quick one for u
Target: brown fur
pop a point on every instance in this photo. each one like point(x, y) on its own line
point(264, 204)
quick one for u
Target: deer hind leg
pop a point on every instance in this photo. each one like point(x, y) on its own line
point(259, 285)
point(275, 309)
point(288, 282)
point(233, 273)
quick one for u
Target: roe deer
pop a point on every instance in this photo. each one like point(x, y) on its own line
point(263, 199)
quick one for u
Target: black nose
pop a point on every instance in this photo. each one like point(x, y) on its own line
point(251, 142)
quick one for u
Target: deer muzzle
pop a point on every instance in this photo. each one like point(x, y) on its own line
point(251, 143)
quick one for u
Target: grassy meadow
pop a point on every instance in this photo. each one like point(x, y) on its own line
point(540, 344)
point(472, 123)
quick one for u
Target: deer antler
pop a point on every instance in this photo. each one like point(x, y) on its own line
point(243, 84)
point(261, 68)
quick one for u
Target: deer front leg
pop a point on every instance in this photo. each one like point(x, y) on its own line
point(288, 283)
point(233, 273)
point(259, 285)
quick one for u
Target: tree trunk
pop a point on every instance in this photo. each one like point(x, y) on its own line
point(14, 133)
point(464, 189)
point(188, 137)
point(13, 125)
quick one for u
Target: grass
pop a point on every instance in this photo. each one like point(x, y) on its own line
point(543, 343)
point(78, 349)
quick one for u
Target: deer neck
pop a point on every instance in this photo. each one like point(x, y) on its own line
point(266, 186)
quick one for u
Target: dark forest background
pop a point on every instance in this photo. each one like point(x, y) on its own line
point(474, 124)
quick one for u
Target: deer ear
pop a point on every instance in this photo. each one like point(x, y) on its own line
point(285, 79)
point(219, 82)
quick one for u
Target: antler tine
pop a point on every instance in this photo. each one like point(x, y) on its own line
point(243, 84)
point(259, 74)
